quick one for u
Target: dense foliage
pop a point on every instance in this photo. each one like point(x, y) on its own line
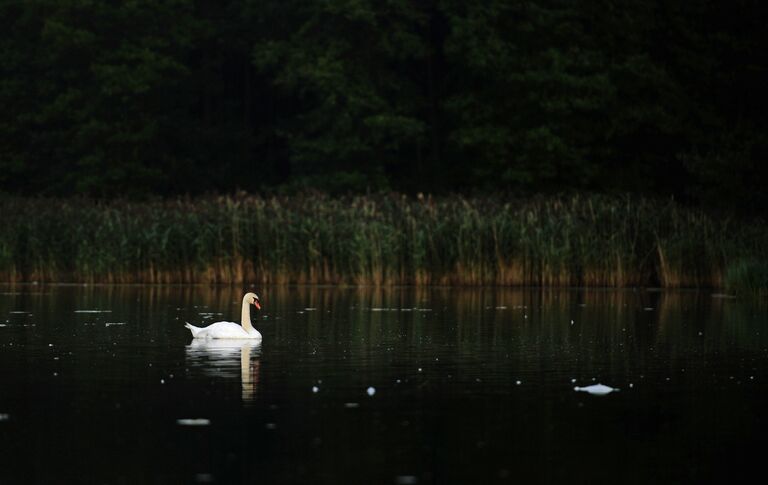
point(553, 241)
point(184, 96)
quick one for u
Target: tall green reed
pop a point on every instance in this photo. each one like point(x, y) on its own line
point(380, 240)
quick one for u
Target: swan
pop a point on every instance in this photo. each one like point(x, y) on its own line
point(231, 330)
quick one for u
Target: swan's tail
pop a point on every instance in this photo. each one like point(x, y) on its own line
point(193, 329)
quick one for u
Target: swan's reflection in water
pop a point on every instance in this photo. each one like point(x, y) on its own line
point(221, 357)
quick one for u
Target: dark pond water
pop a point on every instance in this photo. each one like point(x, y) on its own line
point(104, 385)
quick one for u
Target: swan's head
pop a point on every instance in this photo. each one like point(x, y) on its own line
point(252, 299)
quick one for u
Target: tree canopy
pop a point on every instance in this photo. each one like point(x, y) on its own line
point(183, 97)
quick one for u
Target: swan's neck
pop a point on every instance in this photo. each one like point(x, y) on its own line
point(245, 318)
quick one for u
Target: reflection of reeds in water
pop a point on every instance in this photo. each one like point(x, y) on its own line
point(632, 318)
point(559, 241)
point(714, 325)
point(618, 331)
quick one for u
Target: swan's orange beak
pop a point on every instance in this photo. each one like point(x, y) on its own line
point(256, 304)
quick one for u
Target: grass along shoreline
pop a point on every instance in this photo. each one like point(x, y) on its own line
point(380, 240)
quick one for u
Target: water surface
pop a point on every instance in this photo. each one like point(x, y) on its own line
point(369, 386)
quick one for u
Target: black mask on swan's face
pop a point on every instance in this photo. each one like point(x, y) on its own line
point(253, 299)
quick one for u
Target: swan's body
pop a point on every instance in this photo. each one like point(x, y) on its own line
point(231, 330)
point(226, 330)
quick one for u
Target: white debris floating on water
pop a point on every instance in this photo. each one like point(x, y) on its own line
point(315, 389)
point(209, 314)
point(193, 422)
point(596, 389)
point(204, 478)
point(110, 324)
point(93, 311)
point(4, 417)
point(406, 480)
point(351, 405)
point(371, 391)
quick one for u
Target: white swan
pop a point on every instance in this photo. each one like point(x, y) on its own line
point(231, 330)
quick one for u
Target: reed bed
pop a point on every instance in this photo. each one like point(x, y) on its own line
point(377, 240)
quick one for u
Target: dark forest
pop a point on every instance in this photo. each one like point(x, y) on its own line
point(131, 99)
